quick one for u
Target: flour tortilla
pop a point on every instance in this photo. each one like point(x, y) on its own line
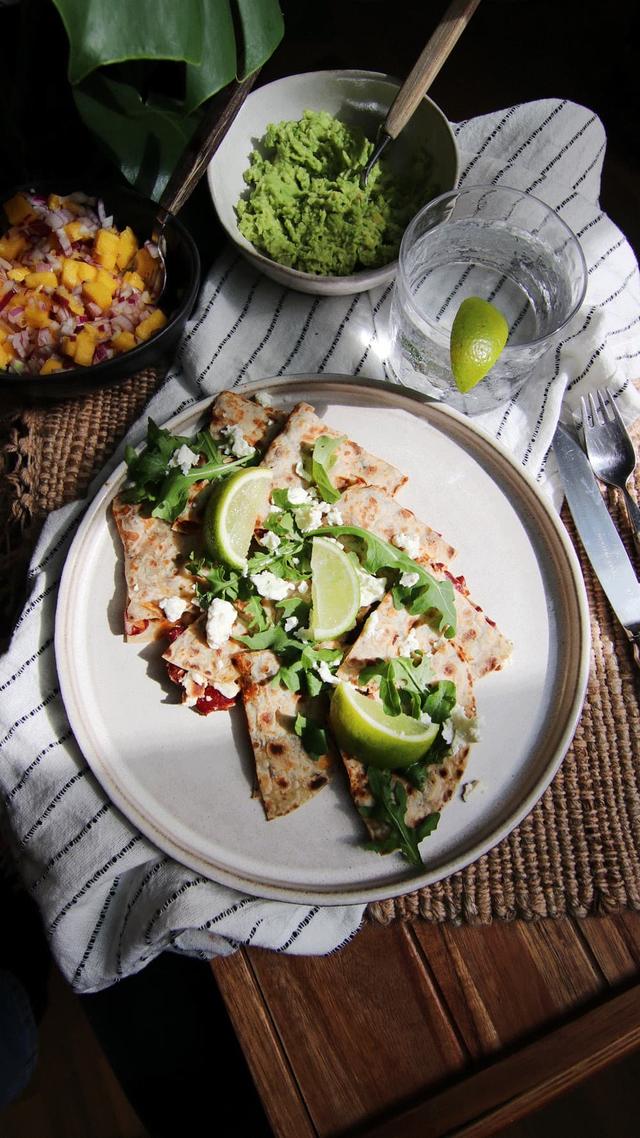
point(353, 465)
point(442, 777)
point(287, 776)
point(154, 568)
point(485, 648)
point(202, 664)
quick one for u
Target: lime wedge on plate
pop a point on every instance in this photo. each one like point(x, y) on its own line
point(231, 513)
point(362, 728)
point(335, 590)
point(478, 335)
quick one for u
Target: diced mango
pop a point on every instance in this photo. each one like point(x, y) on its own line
point(86, 272)
point(127, 247)
point(69, 275)
point(36, 316)
point(6, 354)
point(77, 230)
point(134, 280)
point(124, 341)
point(69, 345)
point(146, 264)
point(54, 201)
point(107, 279)
point(85, 347)
point(96, 292)
point(105, 248)
point(12, 245)
point(92, 331)
point(17, 274)
point(52, 364)
point(4, 332)
point(41, 280)
point(146, 328)
point(72, 302)
point(18, 209)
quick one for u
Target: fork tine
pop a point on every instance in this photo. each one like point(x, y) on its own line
point(606, 414)
point(594, 409)
point(585, 413)
point(615, 411)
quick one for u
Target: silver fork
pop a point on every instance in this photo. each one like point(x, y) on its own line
point(610, 449)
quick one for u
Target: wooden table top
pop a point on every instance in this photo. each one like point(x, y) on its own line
point(416, 1029)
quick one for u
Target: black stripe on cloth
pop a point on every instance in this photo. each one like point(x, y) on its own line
point(94, 935)
point(487, 142)
point(340, 331)
point(70, 845)
point(628, 356)
point(235, 908)
point(589, 168)
point(186, 885)
point(300, 928)
point(29, 715)
point(529, 140)
point(132, 904)
point(64, 536)
point(55, 801)
point(610, 250)
point(626, 327)
point(253, 931)
point(560, 154)
point(27, 664)
point(301, 338)
point(374, 312)
point(590, 224)
point(265, 339)
point(93, 879)
point(35, 602)
point(210, 303)
point(231, 333)
point(33, 765)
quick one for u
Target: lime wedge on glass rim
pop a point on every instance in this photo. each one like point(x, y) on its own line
point(231, 513)
point(478, 335)
point(363, 728)
point(335, 590)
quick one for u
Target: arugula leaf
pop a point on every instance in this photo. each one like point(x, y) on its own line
point(258, 618)
point(379, 554)
point(403, 683)
point(323, 457)
point(218, 581)
point(289, 561)
point(153, 481)
point(294, 606)
point(390, 808)
point(313, 736)
point(441, 700)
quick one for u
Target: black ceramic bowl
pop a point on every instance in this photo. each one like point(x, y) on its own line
point(183, 279)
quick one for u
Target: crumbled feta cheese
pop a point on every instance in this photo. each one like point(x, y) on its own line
point(298, 496)
point(409, 542)
point(290, 623)
point(303, 588)
point(221, 617)
point(173, 607)
point(300, 470)
point(409, 579)
point(425, 718)
point(333, 516)
point(272, 587)
point(447, 731)
point(465, 726)
point(470, 788)
point(309, 516)
point(409, 644)
point(263, 398)
point(236, 442)
point(270, 540)
point(371, 588)
point(198, 678)
point(229, 691)
point(325, 673)
point(184, 458)
point(372, 621)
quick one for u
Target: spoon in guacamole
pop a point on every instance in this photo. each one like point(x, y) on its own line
point(420, 78)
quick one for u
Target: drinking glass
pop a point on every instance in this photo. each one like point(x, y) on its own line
point(496, 243)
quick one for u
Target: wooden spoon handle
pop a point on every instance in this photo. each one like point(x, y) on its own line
point(428, 64)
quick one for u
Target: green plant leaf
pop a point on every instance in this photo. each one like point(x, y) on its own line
point(145, 141)
point(218, 66)
point(103, 32)
point(262, 29)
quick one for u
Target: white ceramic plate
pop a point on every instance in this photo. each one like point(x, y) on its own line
point(185, 781)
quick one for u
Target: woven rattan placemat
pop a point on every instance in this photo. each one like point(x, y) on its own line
point(578, 852)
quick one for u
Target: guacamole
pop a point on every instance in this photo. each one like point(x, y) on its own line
point(306, 208)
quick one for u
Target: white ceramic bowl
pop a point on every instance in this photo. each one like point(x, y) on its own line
point(358, 98)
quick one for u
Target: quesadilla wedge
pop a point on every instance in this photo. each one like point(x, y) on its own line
point(287, 774)
point(352, 466)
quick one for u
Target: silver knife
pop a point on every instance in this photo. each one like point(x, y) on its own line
point(598, 534)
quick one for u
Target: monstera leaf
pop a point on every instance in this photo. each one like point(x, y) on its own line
point(202, 45)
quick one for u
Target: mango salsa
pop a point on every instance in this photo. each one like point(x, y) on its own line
point(74, 289)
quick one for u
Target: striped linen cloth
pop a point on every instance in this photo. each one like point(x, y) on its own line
point(110, 900)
